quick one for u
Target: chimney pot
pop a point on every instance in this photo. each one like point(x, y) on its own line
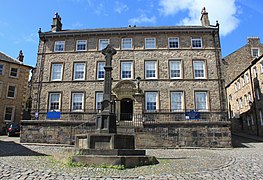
point(56, 25)
point(20, 56)
point(204, 18)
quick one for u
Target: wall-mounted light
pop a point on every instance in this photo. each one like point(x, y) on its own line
point(138, 80)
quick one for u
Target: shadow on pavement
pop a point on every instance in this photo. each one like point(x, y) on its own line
point(242, 142)
point(10, 148)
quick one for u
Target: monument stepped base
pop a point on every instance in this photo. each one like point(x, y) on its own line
point(107, 160)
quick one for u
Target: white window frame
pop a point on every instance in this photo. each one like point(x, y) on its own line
point(261, 117)
point(240, 103)
point(103, 43)
point(150, 66)
point(257, 94)
point(197, 98)
point(75, 100)
point(255, 72)
point(126, 43)
point(150, 43)
point(173, 41)
point(175, 65)
point(100, 68)
point(2, 69)
point(195, 41)
point(249, 97)
point(10, 73)
point(59, 46)
point(237, 101)
point(235, 86)
point(124, 67)
point(98, 100)
point(177, 101)
point(12, 115)
point(245, 100)
point(50, 102)
point(238, 84)
point(153, 99)
point(80, 44)
point(246, 78)
point(195, 62)
point(59, 74)
point(243, 80)
point(14, 92)
point(76, 70)
point(252, 52)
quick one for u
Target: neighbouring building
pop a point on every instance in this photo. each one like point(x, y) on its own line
point(14, 76)
point(239, 60)
point(242, 71)
point(168, 74)
point(245, 100)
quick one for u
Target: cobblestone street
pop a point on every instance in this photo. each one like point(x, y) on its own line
point(24, 161)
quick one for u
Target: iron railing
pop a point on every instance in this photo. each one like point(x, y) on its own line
point(161, 115)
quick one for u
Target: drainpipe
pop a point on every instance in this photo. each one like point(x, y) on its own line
point(219, 74)
point(40, 74)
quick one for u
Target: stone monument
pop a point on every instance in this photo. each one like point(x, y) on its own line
point(106, 146)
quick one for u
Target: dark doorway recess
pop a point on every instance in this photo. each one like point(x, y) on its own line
point(126, 110)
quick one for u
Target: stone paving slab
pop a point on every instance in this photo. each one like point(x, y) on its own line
point(46, 162)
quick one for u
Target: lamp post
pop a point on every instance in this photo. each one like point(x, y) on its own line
point(138, 80)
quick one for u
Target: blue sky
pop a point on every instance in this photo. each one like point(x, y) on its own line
point(20, 20)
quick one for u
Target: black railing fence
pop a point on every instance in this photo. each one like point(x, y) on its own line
point(162, 115)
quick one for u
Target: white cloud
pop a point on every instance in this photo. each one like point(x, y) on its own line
point(225, 11)
point(76, 25)
point(120, 7)
point(142, 19)
point(29, 38)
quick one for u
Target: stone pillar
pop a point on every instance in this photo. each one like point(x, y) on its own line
point(106, 120)
point(138, 106)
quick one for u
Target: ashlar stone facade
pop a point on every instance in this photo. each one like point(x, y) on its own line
point(159, 73)
point(14, 76)
point(245, 100)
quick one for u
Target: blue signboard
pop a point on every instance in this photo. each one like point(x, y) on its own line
point(192, 115)
point(53, 115)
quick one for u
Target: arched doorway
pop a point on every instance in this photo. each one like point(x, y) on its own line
point(126, 109)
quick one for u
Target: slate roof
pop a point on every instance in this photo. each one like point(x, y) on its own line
point(132, 29)
point(6, 58)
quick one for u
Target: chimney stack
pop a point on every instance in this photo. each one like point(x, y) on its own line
point(204, 18)
point(56, 25)
point(20, 56)
point(253, 41)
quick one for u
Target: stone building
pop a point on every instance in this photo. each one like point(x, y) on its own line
point(242, 87)
point(239, 60)
point(159, 74)
point(14, 76)
point(245, 100)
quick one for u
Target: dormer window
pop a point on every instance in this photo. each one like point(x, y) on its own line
point(255, 52)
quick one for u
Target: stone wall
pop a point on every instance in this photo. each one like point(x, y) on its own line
point(138, 55)
point(162, 135)
point(239, 60)
point(21, 92)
